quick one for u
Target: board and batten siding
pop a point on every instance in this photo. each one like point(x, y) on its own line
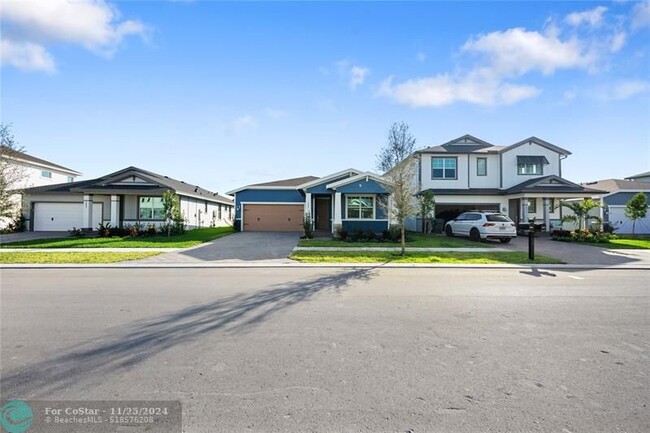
point(509, 163)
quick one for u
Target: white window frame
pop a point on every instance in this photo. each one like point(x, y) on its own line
point(374, 207)
point(152, 208)
point(478, 172)
point(46, 174)
point(521, 169)
point(444, 169)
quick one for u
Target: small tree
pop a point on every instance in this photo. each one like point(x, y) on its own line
point(172, 211)
point(427, 208)
point(581, 211)
point(12, 173)
point(636, 208)
point(400, 168)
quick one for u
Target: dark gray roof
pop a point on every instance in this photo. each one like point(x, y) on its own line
point(29, 158)
point(103, 184)
point(539, 141)
point(465, 144)
point(295, 181)
point(550, 184)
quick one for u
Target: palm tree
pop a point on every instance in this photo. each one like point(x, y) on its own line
point(581, 211)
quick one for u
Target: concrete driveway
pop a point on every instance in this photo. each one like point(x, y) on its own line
point(238, 247)
point(580, 254)
point(28, 236)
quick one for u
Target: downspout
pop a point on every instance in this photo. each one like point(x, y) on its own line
point(468, 172)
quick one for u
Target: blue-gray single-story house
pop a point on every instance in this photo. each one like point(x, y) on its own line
point(349, 200)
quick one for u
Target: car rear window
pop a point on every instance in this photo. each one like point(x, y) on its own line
point(497, 218)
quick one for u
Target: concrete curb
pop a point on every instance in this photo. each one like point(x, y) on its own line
point(90, 250)
point(318, 265)
point(410, 249)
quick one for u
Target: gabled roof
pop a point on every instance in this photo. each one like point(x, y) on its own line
point(291, 183)
point(612, 185)
point(158, 183)
point(358, 177)
point(646, 174)
point(540, 142)
point(348, 172)
point(551, 183)
point(22, 156)
point(465, 144)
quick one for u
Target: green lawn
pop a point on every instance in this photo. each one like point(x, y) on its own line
point(632, 243)
point(418, 240)
point(189, 239)
point(77, 257)
point(515, 257)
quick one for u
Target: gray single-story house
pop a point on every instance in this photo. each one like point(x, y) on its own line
point(618, 193)
point(349, 200)
point(123, 198)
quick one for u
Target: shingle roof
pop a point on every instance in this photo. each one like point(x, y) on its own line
point(179, 186)
point(294, 181)
point(646, 174)
point(29, 158)
point(551, 183)
point(611, 185)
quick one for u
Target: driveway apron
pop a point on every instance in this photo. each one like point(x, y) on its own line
point(238, 247)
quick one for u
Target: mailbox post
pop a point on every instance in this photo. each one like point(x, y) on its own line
point(531, 239)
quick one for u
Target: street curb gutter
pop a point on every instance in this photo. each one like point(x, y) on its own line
point(321, 265)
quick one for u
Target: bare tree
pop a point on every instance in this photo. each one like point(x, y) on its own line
point(12, 173)
point(400, 168)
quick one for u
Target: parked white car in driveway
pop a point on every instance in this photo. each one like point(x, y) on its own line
point(482, 225)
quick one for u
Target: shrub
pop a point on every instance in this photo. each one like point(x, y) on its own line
point(307, 227)
point(371, 235)
point(118, 231)
point(151, 230)
point(395, 233)
point(385, 235)
point(561, 235)
point(104, 230)
point(357, 235)
point(75, 232)
point(342, 234)
point(608, 228)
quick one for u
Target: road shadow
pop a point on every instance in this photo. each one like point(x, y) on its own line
point(534, 272)
point(134, 343)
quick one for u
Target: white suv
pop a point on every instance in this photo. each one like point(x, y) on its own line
point(482, 225)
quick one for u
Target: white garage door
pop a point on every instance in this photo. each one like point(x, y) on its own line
point(63, 216)
point(623, 224)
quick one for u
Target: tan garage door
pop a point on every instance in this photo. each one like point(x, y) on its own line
point(273, 217)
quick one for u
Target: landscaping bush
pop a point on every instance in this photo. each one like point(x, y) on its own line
point(104, 230)
point(395, 233)
point(17, 224)
point(371, 235)
point(308, 227)
point(151, 230)
point(356, 235)
point(118, 232)
point(385, 235)
point(591, 236)
point(75, 232)
point(561, 235)
point(342, 234)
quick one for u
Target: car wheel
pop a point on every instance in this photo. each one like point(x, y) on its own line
point(474, 235)
point(448, 231)
point(505, 240)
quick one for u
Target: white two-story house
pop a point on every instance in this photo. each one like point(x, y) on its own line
point(523, 180)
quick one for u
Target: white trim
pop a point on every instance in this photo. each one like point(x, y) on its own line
point(242, 203)
point(374, 206)
point(360, 176)
point(324, 179)
point(203, 197)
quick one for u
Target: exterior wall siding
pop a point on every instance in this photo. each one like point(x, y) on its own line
point(374, 225)
point(621, 198)
point(509, 161)
point(492, 179)
point(461, 173)
point(268, 196)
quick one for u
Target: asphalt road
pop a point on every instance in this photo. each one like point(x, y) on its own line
point(299, 350)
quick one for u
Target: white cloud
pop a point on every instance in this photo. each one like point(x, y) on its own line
point(618, 41)
point(641, 15)
point(593, 17)
point(275, 113)
point(476, 88)
point(421, 56)
point(243, 122)
point(626, 89)
point(518, 51)
point(354, 75)
point(92, 24)
point(26, 56)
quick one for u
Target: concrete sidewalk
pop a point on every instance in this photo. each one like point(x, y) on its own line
point(397, 249)
point(88, 250)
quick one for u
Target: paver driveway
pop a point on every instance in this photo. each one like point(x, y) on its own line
point(238, 247)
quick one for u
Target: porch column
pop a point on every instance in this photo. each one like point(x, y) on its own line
point(547, 217)
point(524, 210)
point(115, 210)
point(308, 205)
point(88, 211)
point(389, 210)
point(336, 224)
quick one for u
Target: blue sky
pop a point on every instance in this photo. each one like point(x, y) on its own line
point(224, 94)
